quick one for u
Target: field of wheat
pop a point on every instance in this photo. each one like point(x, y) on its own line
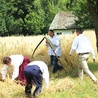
point(59, 82)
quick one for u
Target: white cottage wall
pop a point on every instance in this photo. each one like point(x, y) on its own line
point(59, 32)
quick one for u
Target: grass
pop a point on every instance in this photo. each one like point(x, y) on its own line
point(62, 85)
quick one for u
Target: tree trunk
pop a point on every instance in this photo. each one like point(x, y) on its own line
point(94, 16)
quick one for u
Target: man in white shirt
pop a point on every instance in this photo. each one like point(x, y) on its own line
point(83, 48)
point(35, 72)
point(55, 41)
point(18, 62)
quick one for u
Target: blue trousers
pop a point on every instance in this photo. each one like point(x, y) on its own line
point(54, 62)
point(33, 74)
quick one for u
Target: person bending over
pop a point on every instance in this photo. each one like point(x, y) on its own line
point(35, 72)
point(18, 62)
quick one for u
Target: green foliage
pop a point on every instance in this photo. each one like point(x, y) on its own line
point(87, 13)
point(80, 9)
point(2, 26)
point(34, 22)
point(9, 25)
point(28, 16)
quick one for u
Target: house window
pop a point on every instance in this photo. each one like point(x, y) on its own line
point(59, 33)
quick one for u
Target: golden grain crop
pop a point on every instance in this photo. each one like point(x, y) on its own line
point(25, 45)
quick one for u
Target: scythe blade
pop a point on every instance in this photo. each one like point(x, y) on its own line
point(37, 46)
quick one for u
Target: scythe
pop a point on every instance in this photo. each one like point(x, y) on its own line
point(37, 46)
point(50, 44)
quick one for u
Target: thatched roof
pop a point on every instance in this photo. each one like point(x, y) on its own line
point(63, 20)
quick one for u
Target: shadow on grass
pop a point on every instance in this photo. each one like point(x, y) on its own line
point(93, 66)
point(73, 72)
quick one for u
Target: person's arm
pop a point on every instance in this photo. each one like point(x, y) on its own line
point(4, 72)
point(15, 72)
point(56, 42)
point(92, 52)
point(93, 55)
point(49, 43)
point(46, 39)
point(74, 46)
point(46, 77)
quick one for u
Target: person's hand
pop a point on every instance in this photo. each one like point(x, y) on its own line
point(94, 60)
point(47, 41)
point(16, 78)
point(70, 54)
point(3, 80)
point(87, 59)
point(47, 85)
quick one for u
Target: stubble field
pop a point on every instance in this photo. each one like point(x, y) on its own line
point(62, 84)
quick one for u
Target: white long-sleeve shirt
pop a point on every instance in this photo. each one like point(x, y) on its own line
point(44, 70)
point(81, 44)
point(16, 61)
point(56, 44)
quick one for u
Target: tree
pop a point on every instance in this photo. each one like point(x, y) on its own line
point(51, 8)
point(93, 9)
point(28, 17)
point(9, 25)
point(92, 6)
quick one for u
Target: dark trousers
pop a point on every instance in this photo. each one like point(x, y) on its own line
point(33, 74)
point(54, 62)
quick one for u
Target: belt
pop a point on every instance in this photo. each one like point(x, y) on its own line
point(83, 53)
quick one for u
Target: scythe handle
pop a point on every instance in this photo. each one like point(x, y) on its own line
point(55, 54)
point(51, 48)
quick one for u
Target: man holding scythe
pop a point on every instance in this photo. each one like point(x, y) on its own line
point(55, 51)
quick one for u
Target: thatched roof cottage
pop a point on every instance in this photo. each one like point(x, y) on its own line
point(63, 23)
